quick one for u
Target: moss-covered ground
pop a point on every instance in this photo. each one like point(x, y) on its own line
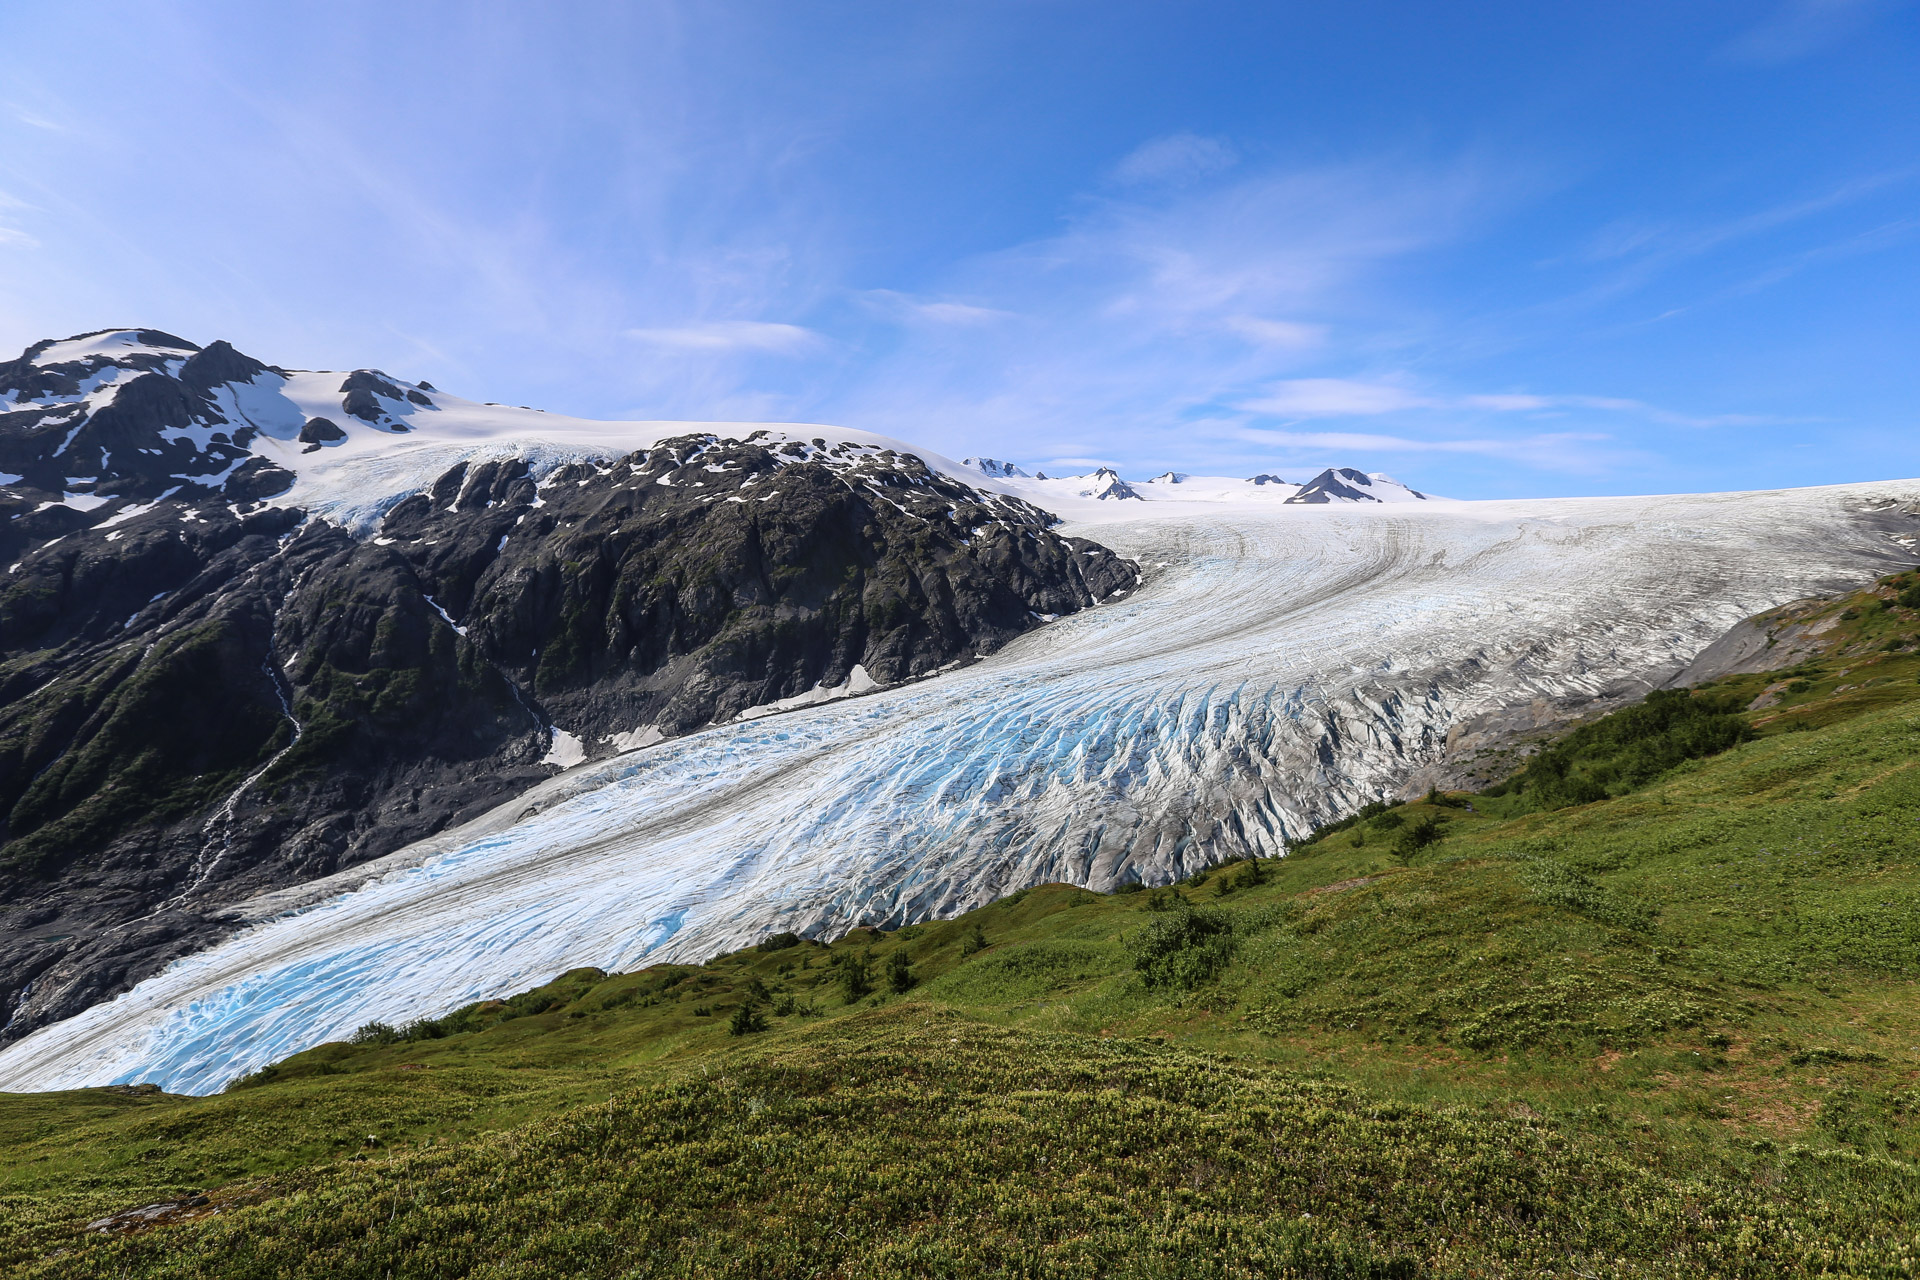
point(1673, 1032)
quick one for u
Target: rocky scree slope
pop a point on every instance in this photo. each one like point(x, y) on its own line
point(204, 694)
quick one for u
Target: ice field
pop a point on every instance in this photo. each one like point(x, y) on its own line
point(1277, 667)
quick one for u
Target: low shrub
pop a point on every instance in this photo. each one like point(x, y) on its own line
point(1181, 950)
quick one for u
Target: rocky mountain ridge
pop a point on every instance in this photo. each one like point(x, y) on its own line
point(209, 688)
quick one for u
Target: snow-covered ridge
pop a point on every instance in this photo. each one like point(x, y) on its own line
point(351, 445)
point(348, 446)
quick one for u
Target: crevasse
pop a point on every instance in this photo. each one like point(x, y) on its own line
point(1275, 669)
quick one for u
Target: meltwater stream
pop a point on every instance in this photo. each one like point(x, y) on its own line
point(1274, 669)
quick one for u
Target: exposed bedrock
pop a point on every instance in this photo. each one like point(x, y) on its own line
point(203, 698)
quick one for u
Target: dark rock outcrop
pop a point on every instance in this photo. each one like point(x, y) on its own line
point(204, 696)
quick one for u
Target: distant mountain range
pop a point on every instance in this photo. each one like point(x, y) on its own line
point(1333, 485)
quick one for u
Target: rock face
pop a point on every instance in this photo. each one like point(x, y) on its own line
point(993, 467)
point(204, 694)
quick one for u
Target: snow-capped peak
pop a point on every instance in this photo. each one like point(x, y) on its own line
point(1345, 484)
point(128, 415)
point(1106, 484)
point(107, 344)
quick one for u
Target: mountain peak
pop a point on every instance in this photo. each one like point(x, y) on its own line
point(1106, 484)
point(1346, 484)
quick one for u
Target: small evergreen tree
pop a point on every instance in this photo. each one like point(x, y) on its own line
point(746, 1019)
point(1414, 838)
point(975, 941)
point(899, 973)
point(856, 978)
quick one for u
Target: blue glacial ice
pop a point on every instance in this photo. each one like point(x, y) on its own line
point(1273, 670)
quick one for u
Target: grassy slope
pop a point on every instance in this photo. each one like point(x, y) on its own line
point(1670, 1033)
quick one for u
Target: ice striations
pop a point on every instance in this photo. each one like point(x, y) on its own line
point(1275, 667)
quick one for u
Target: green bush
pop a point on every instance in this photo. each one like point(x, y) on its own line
point(1180, 950)
point(1628, 748)
point(975, 941)
point(746, 1020)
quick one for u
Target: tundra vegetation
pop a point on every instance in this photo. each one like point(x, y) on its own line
point(1648, 1009)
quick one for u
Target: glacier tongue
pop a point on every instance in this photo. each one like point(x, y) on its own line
point(1275, 669)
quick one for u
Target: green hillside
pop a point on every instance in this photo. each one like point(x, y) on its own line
point(1646, 1009)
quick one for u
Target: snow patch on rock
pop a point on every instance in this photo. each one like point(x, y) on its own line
point(564, 749)
point(857, 682)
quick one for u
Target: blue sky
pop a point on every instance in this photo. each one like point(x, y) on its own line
point(1492, 249)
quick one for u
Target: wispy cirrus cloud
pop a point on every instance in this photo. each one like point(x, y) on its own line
point(1342, 398)
point(939, 311)
point(1333, 398)
point(1154, 305)
point(1275, 333)
point(731, 335)
point(1566, 451)
point(1376, 442)
point(1177, 158)
point(1799, 28)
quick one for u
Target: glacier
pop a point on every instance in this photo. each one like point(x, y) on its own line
point(1276, 667)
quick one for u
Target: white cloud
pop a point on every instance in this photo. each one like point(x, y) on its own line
point(1799, 28)
point(906, 307)
point(1177, 158)
point(1507, 403)
point(37, 121)
point(730, 335)
point(1333, 397)
point(1558, 451)
point(1146, 312)
point(1399, 444)
point(957, 313)
point(1342, 398)
point(1276, 333)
